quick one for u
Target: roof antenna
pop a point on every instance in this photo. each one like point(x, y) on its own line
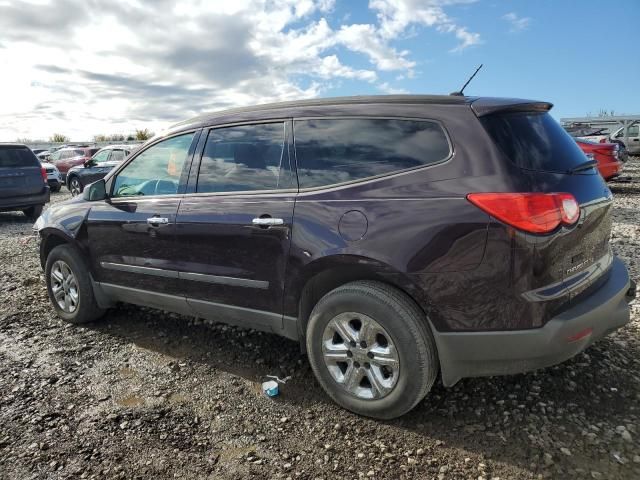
point(460, 94)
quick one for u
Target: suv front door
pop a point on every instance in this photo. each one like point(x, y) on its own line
point(132, 233)
point(235, 226)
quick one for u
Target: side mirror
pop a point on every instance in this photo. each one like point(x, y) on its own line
point(88, 163)
point(95, 191)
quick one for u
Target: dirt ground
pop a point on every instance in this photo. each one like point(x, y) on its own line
point(148, 394)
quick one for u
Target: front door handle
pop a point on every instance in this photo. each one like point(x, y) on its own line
point(157, 221)
point(267, 221)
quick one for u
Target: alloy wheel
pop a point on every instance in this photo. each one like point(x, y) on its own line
point(76, 189)
point(64, 287)
point(360, 355)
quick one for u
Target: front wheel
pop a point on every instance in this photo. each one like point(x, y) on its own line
point(75, 187)
point(371, 349)
point(69, 286)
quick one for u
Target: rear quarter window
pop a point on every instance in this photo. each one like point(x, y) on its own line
point(331, 151)
point(534, 141)
point(17, 157)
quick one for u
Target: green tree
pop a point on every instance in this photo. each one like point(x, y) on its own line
point(100, 138)
point(143, 134)
point(58, 138)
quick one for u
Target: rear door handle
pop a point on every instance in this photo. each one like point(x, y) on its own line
point(268, 221)
point(157, 221)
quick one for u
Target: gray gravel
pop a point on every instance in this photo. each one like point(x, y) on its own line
point(147, 394)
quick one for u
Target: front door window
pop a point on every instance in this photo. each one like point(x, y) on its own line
point(155, 171)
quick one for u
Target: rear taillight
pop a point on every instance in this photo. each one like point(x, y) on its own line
point(531, 212)
point(43, 171)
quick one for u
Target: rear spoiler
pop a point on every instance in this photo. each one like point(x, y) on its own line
point(487, 106)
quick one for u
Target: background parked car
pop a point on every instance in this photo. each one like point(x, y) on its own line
point(96, 167)
point(632, 143)
point(599, 135)
point(23, 181)
point(606, 154)
point(68, 157)
point(44, 155)
point(53, 176)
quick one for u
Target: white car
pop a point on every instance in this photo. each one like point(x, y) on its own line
point(53, 176)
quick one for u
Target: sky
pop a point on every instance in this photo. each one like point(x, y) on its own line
point(89, 67)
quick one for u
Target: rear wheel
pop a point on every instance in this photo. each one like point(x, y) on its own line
point(371, 349)
point(33, 212)
point(55, 188)
point(69, 286)
point(75, 186)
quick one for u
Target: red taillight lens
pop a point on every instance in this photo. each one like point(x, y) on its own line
point(531, 212)
point(43, 171)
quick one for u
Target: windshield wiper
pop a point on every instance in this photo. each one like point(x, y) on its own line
point(583, 166)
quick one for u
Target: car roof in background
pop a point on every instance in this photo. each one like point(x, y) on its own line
point(123, 147)
point(13, 145)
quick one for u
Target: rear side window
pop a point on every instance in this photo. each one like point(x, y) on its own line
point(17, 157)
point(92, 151)
point(245, 158)
point(534, 141)
point(330, 151)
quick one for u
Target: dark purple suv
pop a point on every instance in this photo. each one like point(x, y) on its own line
point(395, 238)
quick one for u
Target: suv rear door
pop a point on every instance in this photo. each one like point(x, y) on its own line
point(20, 172)
point(235, 225)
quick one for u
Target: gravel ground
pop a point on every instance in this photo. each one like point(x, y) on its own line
point(147, 394)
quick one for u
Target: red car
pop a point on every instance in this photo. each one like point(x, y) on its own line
point(68, 157)
point(606, 154)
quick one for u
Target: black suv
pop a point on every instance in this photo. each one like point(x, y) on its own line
point(23, 181)
point(394, 237)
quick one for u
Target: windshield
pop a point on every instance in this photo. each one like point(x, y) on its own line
point(534, 141)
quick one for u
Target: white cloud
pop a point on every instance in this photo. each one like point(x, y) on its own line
point(396, 15)
point(517, 23)
point(110, 66)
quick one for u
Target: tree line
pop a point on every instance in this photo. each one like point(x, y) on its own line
point(138, 135)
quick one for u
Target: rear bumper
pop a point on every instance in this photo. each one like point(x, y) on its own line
point(18, 203)
point(476, 354)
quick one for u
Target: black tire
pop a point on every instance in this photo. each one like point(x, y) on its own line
point(75, 185)
point(409, 331)
point(33, 212)
point(56, 188)
point(86, 309)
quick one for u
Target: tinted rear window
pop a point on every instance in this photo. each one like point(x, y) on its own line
point(341, 150)
point(17, 157)
point(93, 151)
point(534, 141)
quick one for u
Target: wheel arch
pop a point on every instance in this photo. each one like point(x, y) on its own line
point(329, 273)
point(50, 238)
